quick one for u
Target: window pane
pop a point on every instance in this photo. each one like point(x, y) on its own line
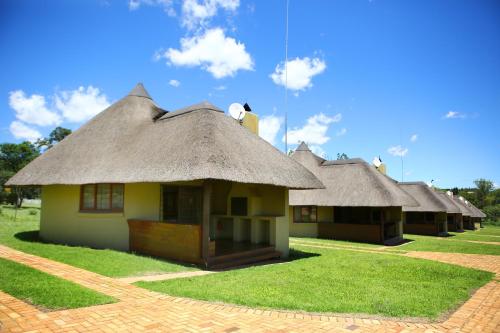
point(88, 196)
point(313, 214)
point(117, 199)
point(170, 194)
point(190, 205)
point(103, 196)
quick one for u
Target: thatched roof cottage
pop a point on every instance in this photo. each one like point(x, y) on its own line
point(358, 202)
point(191, 185)
point(429, 217)
point(467, 213)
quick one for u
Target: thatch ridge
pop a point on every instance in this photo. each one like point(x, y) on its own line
point(126, 144)
point(451, 206)
point(349, 183)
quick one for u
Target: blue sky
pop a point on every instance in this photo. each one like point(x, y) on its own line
point(389, 78)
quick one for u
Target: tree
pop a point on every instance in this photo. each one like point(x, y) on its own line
point(57, 135)
point(484, 187)
point(13, 157)
point(342, 156)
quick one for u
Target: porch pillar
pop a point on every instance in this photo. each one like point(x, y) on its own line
point(205, 226)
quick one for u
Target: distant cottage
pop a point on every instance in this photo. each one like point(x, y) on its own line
point(358, 203)
point(191, 185)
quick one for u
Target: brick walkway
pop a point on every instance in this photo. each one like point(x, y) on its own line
point(142, 310)
point(167, 276)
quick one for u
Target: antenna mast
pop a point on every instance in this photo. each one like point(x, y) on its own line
point(286, 80)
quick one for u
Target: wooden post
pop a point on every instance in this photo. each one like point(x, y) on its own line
point(205, 227)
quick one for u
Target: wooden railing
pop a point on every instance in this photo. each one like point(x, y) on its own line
point(167, 240)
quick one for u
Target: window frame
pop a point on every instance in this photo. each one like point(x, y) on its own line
point(295, 220)
point(97, 210)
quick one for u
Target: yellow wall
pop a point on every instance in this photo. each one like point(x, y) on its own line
point(325, 215)
point(62, 222)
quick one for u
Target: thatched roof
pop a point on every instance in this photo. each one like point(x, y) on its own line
point(136, 141)
point(427, 199)
point(451, 207)
point(349, 183)
point(476, 212)
point(463, 207)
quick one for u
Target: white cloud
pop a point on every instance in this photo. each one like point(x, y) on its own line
point(21, 131)
point(342, 131)
point(220, 88)
point(300, 73)
point(174, 83)
point(269, 127)
point(198, 13)
point(397, 151)
point(414, 138)
point(166, 4)
point(318, 151)
point(33, 109)
point(214, 52)
point(81, 104)
point(314, 131)
point(454, 114)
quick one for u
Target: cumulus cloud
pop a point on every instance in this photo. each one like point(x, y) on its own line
point(220, 88)
point(81, 104)
point(174, 83)
point(24, 132)
point(342, 131)
point(454, 114)
point(314, 131)
point(318, 151)
point(300, 73)
point(197, 13)
point(414, 138)
point(397, 151)
point(213, 51)
point(33, 109)
point(269, 126)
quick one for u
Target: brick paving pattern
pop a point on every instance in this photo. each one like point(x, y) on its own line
point(140, 310)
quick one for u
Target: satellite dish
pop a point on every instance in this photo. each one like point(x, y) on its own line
point(450, 193)
point(377, 162)
point(237, 111)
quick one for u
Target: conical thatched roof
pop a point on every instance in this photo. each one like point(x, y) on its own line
point(349, 183)
point(136, 141)
point(427, 199)
point(451, 207)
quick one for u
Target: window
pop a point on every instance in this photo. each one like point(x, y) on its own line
point(304, 214)
point(429, 217)
point(182, 204)
point(102, 197)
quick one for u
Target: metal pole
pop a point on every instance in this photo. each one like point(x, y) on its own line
point(286, 79)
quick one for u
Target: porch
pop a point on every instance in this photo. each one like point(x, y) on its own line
point(215, 224)
point(425, 223)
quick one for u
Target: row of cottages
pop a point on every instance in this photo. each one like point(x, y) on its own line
point(191, 185)
point(358, 203)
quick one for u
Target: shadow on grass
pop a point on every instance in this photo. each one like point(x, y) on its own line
point(299, 255)
point(33, 236)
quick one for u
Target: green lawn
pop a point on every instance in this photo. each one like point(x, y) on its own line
point(22, 234)
point(44, 290)
point(330, 242)
point(341, 281)
point(447, 244)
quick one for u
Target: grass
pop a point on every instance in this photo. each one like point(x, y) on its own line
point(448, 244)
point(22, 234)
point(340, 281)
point(330, 242)
point(44, 290)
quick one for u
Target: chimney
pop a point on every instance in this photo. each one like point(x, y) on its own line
point(251, 121)
point(382, 168)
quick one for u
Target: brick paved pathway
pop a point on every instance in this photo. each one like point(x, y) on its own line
point(161, 277)
point(142, 310)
